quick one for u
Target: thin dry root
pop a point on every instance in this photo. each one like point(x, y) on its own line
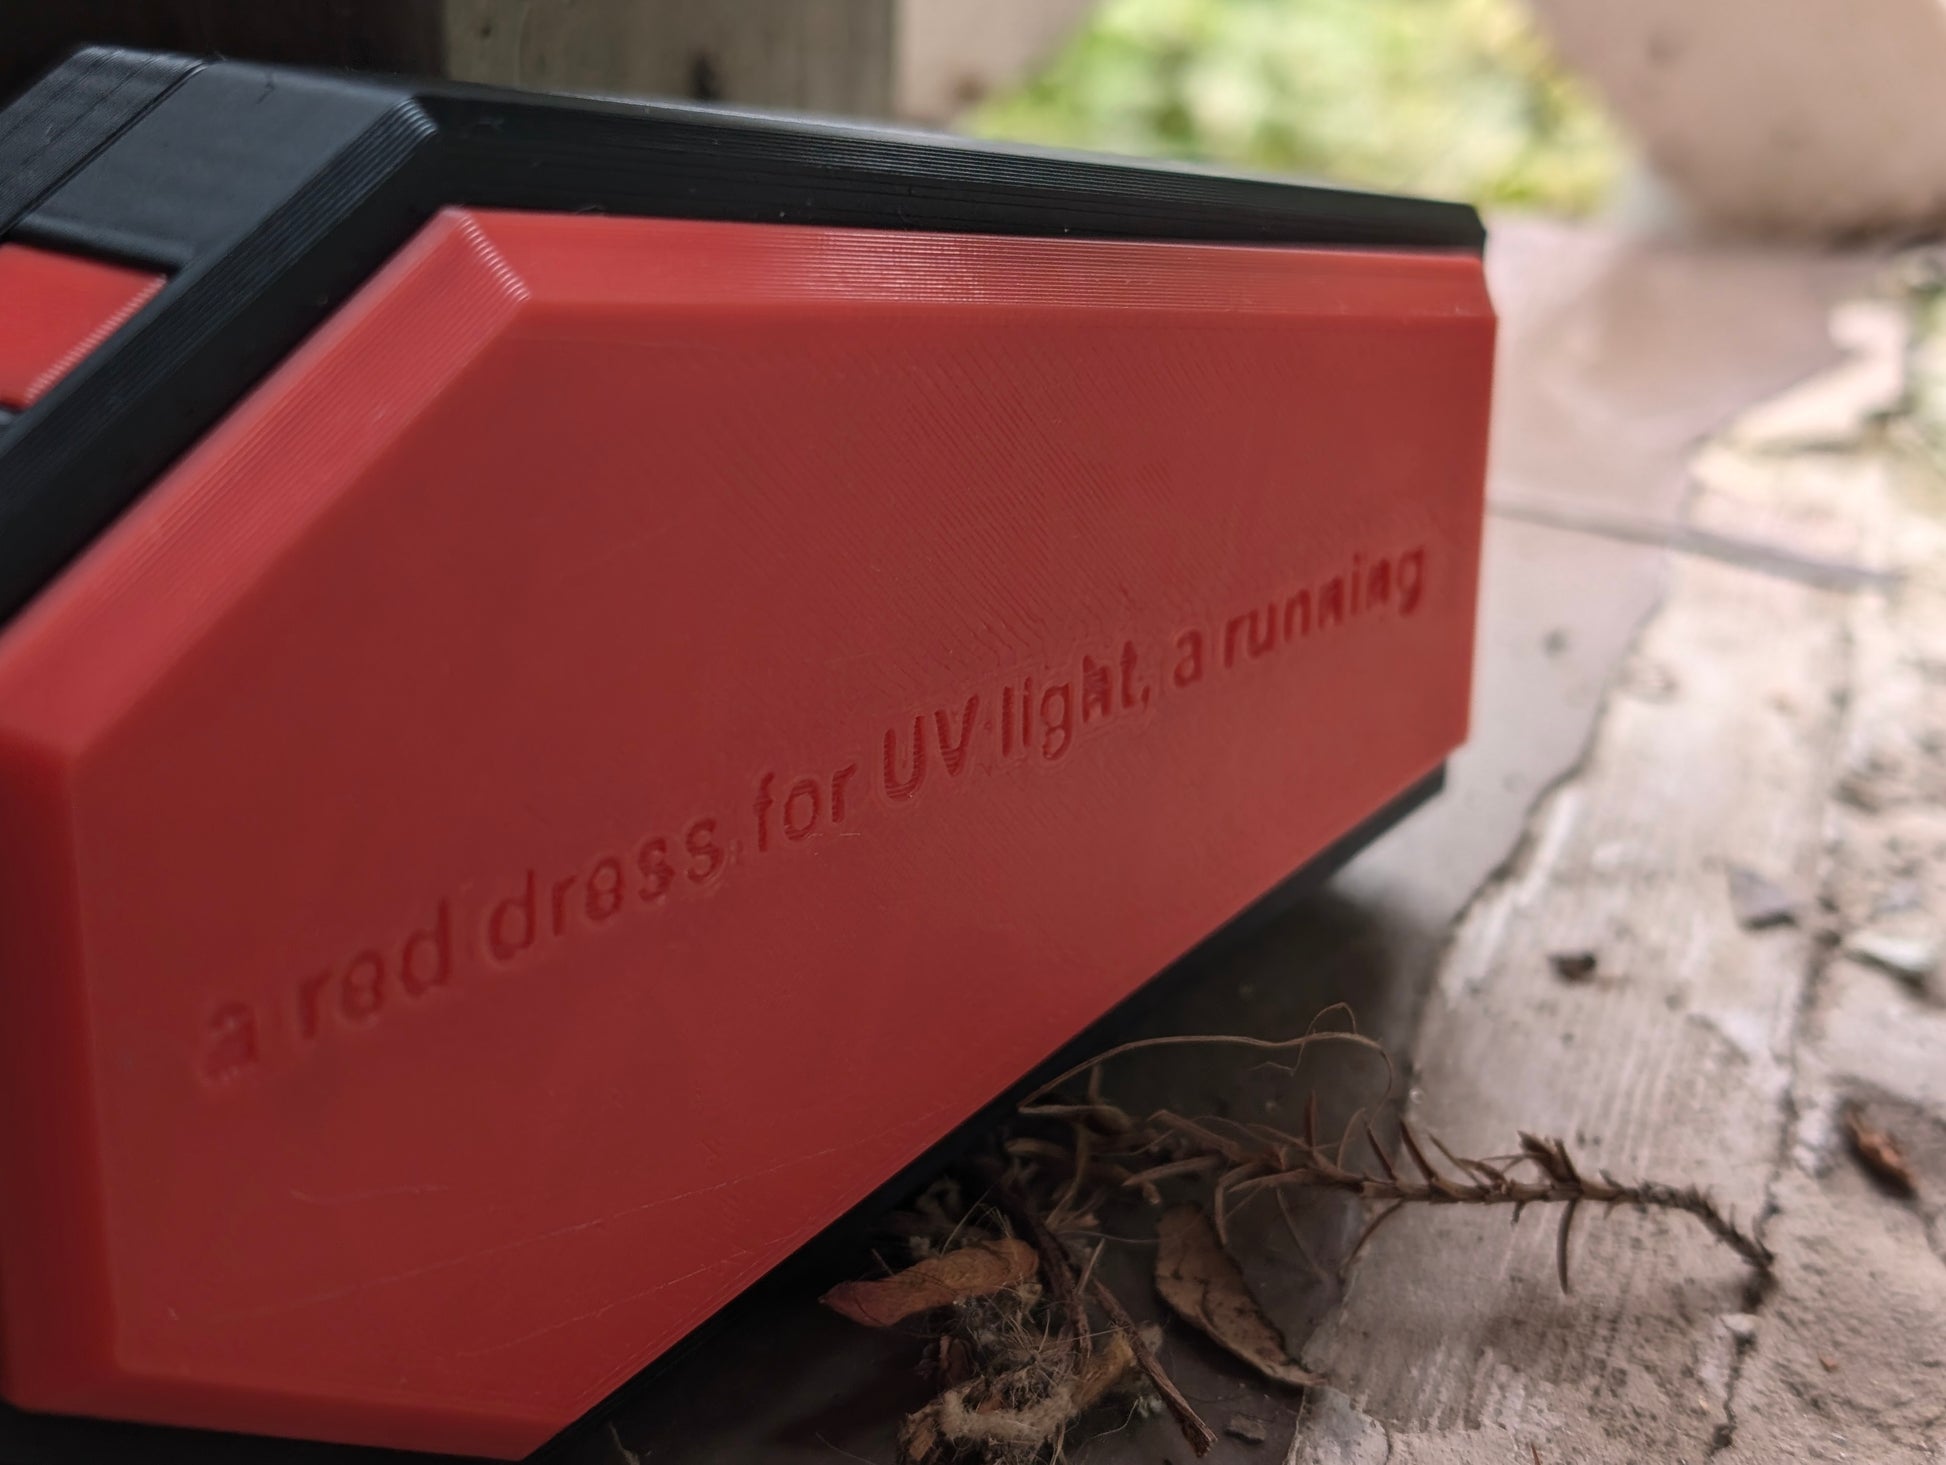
point(1017, 1369)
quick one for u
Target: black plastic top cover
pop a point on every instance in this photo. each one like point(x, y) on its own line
point(268, 194)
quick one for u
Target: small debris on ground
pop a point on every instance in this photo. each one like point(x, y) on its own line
point(1574, 966)
point(1757, 901)
point(1879, 1152)
point(1030, 1345)
point(982, 1416)
point(1910, 958)
point(1250, 1431)
point(978, 1270)
point(1863, 786)
point(1741, 1326)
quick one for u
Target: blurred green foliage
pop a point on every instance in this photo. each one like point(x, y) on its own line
point(1454, 98)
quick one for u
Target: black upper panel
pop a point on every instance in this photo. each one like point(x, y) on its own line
point(268, 194)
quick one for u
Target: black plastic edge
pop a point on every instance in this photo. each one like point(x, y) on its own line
point(67, 116)
point(269, 194)
point(518, 150)
point(45, 1439)
point(299, 209)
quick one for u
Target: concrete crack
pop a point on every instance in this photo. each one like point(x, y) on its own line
point(1725, 1433)
point(1761, 1285)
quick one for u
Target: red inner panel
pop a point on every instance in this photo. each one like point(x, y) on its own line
point(636, 730)
point(54, 310)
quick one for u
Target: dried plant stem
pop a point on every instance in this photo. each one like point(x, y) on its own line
point(1055, 1266)
point(1295, 1045)
point(1301, 1164)
point(1200, 1436)
point(1020, 1365)
point(1059, 1271)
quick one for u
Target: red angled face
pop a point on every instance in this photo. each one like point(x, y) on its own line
point(54, 310)
point(636, 730)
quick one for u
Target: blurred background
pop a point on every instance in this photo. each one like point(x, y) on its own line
point(1755, 116)
point(1458, 98)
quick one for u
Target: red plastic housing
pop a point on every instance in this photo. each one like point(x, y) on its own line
point(54, 310)
point(637, 729)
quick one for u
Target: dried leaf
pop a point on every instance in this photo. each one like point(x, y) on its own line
point(978, 1270)
point(1202, 1285)
point(1879, 1152)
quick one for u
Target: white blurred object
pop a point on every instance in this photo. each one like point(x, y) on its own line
point(1802, 117)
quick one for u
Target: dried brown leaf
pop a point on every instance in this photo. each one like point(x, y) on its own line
point(1879, 1152)
point(978, 1270)
point(1203, 1286)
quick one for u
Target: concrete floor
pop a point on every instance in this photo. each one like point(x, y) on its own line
point(1743, 724)
point(1643, 717)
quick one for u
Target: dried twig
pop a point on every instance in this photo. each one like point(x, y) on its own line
point(1020, 1366)
point(1055, 1267)
point(1561, 1184)
point(1200, 1436)
point(1264, 1045)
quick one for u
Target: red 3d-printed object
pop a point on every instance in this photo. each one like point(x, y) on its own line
point(54, 310)
point(641, 726)
point(544, 757)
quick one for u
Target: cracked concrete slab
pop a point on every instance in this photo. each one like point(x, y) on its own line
point(1331, 1431)
point(1848, 1361)
point(1780, 726)
point(1672, 1062)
